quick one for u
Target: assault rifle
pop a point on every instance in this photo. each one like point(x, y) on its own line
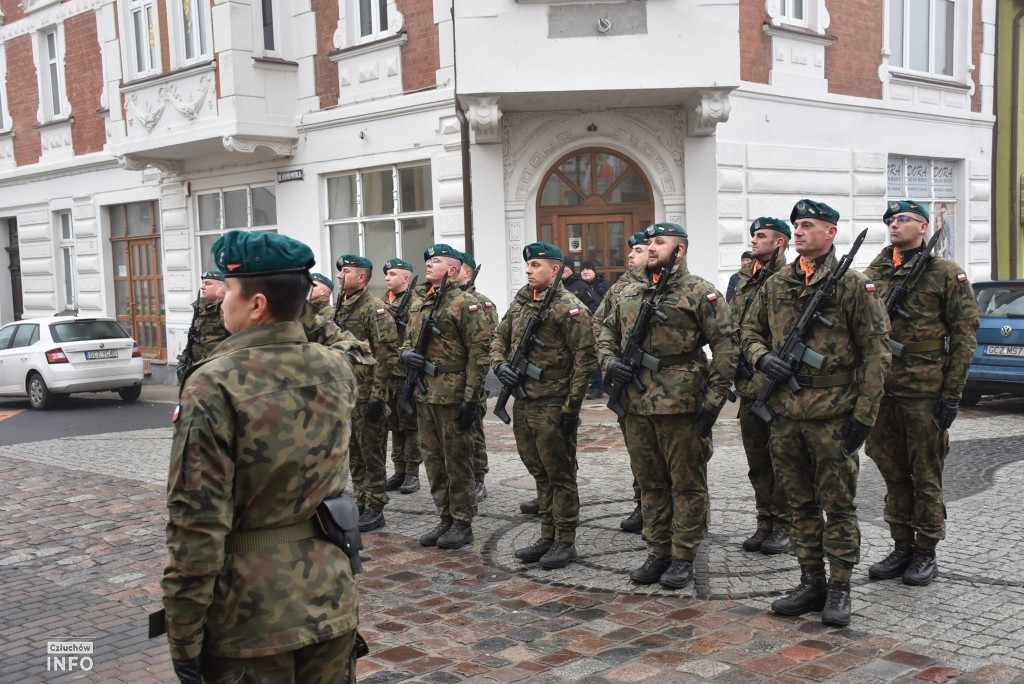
point(403, 304)
point(794, 351)
point(743, 370)
point(188, 356)
point(898, 294)
point(520, 360)
point(633, 355)
point(341, 298)
point(472, 281)
point(414, 377)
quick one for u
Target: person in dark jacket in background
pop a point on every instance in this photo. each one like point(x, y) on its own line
point(730, 291)
point(578, 286)
point(596, 281)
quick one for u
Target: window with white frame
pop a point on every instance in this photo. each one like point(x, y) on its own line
point(381, 213)
point(373, 19)
point(51, 73)
point(66, 244)
point(194, 19)
point(142, 18)
point(247, 208)
point(922, 36)
point(269, 44)
point(932, 182)
point(793, 11)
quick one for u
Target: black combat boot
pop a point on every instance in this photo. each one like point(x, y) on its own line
point(559, 555)
point(410, 484)
point(457, 536)
point(431, 537)
point(753, 543)
point(531, 507)
point(652, 569)
point(534, 552)
point(777, 542)
point(481, 491)
point(678, 575)
point(371, 519)
point(634, 523)
point(809, 594)
point(394, 482)
point(838, 605)
point(895, 563)
point(922, 569)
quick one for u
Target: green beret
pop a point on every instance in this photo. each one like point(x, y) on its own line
point(541, 250)
point(323, 280)
point(441, 250)
point(468, 260)
point(769, 223)
point(354, 260)
point(239, 253)
point(397, 263)
point(213, 274)
point(670, 229)
point(909, 206)
point(637, 239)
point(806, 208)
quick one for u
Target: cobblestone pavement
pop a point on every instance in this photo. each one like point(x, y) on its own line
point(81, 552)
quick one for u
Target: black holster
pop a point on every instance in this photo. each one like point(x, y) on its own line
point(338, 520)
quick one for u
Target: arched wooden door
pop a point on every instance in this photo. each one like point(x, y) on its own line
point(590, 202)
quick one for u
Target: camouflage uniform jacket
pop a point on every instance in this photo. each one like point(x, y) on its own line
point(261, 438)
point(324, 308)
point(942, 304)
point(490, 315)
point(635, 275)
point(747, 287)
point(401, 318)
point(463, 343)
point(210, 330)
point(856, 343)
point(570, 352)
point(368, 319)
point(697, 315)
point(323, 331)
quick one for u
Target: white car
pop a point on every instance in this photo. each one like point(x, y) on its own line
point(44, 357)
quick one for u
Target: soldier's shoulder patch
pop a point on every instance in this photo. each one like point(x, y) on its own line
point(489, 304)
point(962, 277)
point(381, 312)
point(473, 307)
point(869, 286)
point(712, 296)
point(177, 412)
point(574, 311)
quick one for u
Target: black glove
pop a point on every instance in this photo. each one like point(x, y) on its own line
point(854, 434)
point(466, 414)
point(620, 370)
point(412, 360)
point(567, 422)
point(945, 409)
point(189, 671)
point(507, 375)
point(704, 419)
point(772, 365)
point(374, 411)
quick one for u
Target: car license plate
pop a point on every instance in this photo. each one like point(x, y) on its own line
point(101, 354)
point(1004, 350)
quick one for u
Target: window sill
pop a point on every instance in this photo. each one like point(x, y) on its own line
point(392, 41)
point(208, 65)
point(801, 33)
point(53, 123)
point(274, 63)
point(934, 81)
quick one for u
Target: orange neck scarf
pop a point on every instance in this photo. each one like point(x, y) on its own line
point(897, 257)
point(808, 266)
point(757, 267)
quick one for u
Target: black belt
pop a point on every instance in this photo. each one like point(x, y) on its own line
point(451, 368)
point(836, 380)
point(680, 359)
point(916, 347)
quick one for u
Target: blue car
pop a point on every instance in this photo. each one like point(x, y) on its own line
point(998, 363)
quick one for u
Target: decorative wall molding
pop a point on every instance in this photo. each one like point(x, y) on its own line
point(138, 163)
point(148, 116)
point(484, 119)
point(706, 110)
point(46, 15)
point(279, 148)
point(189, 108)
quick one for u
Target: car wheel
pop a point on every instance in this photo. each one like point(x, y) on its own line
point(130, 393)
point(39, 395)
point(970, 397)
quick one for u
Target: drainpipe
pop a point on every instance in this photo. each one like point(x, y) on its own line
point(467, 179)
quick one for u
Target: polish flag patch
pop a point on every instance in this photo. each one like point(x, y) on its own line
point(488, 304)
point(473, 307)
point(870, 287)
point(381, 312)
point(712, 296)
point(962, 277)
point(574, 312)
point(177, 412)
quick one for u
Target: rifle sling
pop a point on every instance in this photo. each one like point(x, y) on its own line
point(836, 380)
point(916, 347)
point(250, 540)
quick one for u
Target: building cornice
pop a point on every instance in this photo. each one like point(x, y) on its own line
point(388, 107)
point(32, 173)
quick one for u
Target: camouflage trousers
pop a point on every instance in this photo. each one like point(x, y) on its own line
point(448, 455)
point(479, 444)
point(670, 462)
point(550, 457)
point(773, 512)
point(910, 450)
point(820, 480)
point(636, 485)
point(368, 460)
point(328, 662)
point(405, 446)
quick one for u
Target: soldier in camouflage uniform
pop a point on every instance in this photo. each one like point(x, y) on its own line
point(817, 431)
point(773, 515)
point(320, 295)
point(446, 410)
point(366, 317)
point(668, 426)
point(405, 448)
point(260, 439)
point(466, 275)
point(932, 350)
point(545, 422)
point(208, 327)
